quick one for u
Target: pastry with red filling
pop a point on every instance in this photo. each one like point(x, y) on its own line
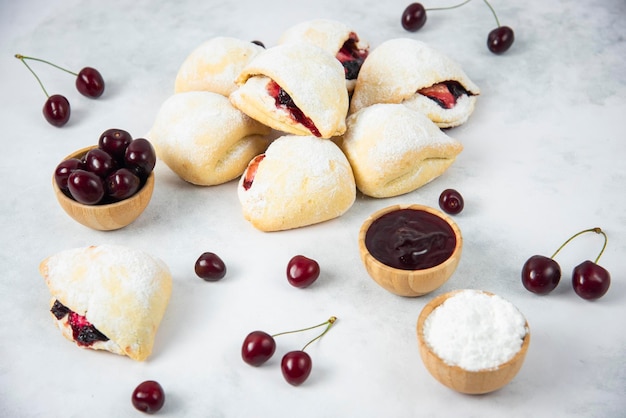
point(394, 150)
point(411, 72)
point(296, 88)
point(336, 38)
point(214, 65)
point(298, 181)
point(108, 297)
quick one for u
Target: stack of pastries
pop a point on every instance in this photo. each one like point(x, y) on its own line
point(306, 123)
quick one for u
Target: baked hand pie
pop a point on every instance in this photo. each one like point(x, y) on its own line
point(394, 150)
point(411, 72)
point(336, 38)
point(296, 88)
point(298, 181)
point(108, 297)
point(204, 139)
point(214, 65)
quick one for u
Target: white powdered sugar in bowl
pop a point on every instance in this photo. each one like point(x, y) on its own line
point(475, 330)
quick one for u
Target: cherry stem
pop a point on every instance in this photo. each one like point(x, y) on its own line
point(329, 322)
point(21, 58)
point(24, 57)
point(597, 230)
point(464, 3)
point(448, 7)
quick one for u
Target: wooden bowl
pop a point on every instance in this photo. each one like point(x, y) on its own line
point(106, 217)
point(409, 282)
point(457, 378)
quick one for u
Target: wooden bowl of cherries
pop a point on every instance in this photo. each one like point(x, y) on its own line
point(108, 185)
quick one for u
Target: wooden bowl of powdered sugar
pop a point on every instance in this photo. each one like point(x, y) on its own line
point(472, 341)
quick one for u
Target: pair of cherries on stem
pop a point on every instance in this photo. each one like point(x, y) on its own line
point(541, 274)
point(499, 39)
point(259, 346)
point(56, 109)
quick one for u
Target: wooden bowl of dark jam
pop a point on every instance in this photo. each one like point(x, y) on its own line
point(410, 250)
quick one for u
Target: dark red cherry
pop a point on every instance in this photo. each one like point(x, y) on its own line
point(590, 281)
point(100, 162)
point(210, 267)
point(90, 83)
point(148, 397)
point(257, 348)
point(64, 169)
point(414, 17)
point(451, 201)
point(296, 367)
point(140, 155)
point(85, 187)
point(500, 39)
point(115, 142)
point(302, 271)
point(541, 274)
point(57, 110)
point(122, 184)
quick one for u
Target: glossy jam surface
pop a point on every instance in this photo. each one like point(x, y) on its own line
point(410, 239)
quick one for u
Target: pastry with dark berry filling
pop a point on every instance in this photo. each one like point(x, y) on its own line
point(296, 88)
point(108, 297)
point(335, 37)
point(411, 72)
point(299, 181)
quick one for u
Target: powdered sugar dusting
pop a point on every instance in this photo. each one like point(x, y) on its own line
point(475, 330)
point(300, 177)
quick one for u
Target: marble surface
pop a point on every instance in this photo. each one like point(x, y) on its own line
point(543, 159)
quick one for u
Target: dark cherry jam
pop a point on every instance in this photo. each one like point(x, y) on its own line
point(83, 331)
point(409, 239)
point(284, 101)
point(444, 94)
point(351, 57)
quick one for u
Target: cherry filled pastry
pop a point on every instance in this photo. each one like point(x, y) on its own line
point(298, 181)
point(411, 72)
point(108, 297)
point(336, 38)
point(297, 88)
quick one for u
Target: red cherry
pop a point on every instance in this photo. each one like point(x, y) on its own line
point(148, 397)
point(451, 201)
point(541, 274)
point(296, 367)
point(500, 39)
point(590, 281)
point(57, 110)
point(210, 267)
point(414, 17)
point(257, 348)
point(302, 271)
point(89, 82)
